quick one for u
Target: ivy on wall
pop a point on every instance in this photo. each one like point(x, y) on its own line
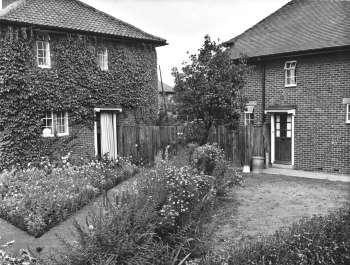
point(74, 84)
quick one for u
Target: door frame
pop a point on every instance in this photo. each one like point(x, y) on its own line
point(272, 147)
point(98, 110)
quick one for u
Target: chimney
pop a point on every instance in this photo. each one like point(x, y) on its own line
point(6, 3)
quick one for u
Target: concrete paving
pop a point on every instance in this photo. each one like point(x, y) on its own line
point(306, 174)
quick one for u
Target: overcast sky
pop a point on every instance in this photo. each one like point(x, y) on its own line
point(183, 23)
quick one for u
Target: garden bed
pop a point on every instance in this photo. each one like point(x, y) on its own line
point(39, 199)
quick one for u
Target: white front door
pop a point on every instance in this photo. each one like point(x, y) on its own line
point(109, 134)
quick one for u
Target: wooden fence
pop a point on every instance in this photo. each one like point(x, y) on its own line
point(143, 143)
point(241, 144)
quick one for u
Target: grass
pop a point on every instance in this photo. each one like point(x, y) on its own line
point(266, 203)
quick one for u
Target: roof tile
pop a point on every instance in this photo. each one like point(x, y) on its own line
point(300, 25)
point(73, 15)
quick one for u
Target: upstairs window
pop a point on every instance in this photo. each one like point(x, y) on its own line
point(43, 52)
point(290, 73)
point(102, 59)
point(347, 113)
point(55, 123)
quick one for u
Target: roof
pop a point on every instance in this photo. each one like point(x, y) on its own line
point(72, 15)
point(167, 88)
point(300, 25)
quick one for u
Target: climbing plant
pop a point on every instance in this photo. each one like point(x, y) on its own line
point(74, 84)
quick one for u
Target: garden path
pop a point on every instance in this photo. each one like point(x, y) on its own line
point(266, 203)
point(50, 241)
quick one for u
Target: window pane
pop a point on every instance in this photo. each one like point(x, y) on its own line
point(289, 134)
point(278, 126)
point(278, 134)
point(278, 118)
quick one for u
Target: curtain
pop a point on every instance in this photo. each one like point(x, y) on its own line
point(108, 135)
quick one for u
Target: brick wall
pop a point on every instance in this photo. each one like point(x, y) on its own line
point(322, 138)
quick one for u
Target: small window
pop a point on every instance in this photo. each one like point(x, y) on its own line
point(249, 115)
point(43, 52)
point(290, 73)
point(55, 123)
point(102, 59)
point(348, 113)
point(48, 125)
point(62, 123)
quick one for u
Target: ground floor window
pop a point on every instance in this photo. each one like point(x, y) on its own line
point(249, 114)
point(55, 123)
point(248, 118)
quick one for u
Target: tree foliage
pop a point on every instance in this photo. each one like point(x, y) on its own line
point(208, 87)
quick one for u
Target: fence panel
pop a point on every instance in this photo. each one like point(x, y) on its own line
point(144, 142)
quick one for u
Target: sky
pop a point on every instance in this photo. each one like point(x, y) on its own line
point(184, 23)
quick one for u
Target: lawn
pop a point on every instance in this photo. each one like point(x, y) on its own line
point(266, 203)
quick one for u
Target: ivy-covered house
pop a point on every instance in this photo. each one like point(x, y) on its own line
point(69, 75)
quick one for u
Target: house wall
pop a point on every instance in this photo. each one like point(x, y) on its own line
point(322, 138)
point(139, 57)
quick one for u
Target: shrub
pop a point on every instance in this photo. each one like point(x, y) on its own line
point(210, 159)
point(155, 222)
point(24, 258)
point(195, 132)
point(38, 199)
point(204, 158)
point(318, 240)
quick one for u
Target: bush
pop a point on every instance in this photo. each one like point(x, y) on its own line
point(155, 222)
point(38, 199)
point(25, 258)
point(205, 158)
point(210, 159)
point(195, 132)
point(317, 240)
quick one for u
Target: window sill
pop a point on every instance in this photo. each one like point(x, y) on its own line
point(44, 67)
point(62, 134)
point(290, 85)
point(58, 135)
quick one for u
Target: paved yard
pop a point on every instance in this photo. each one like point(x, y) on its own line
point(268, 202)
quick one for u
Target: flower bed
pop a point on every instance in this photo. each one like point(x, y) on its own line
point(38, 199)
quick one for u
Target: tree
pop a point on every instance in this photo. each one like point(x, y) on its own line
point(208, 88)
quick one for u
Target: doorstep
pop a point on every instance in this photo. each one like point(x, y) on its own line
point(305, 174)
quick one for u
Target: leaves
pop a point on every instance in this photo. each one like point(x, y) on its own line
point(74, 84)
point(208, 88)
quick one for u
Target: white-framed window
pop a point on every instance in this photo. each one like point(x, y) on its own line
point(290, 73)
point(55, 123)
point(102, 59)
point(249, 115)
point(347, 113)
point(47, 125)
point(43, 52)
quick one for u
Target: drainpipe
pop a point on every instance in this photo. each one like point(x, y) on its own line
point(263, 92)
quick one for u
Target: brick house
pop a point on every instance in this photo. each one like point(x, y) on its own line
point(50, 21)
point(166, 97)
point(299, 84)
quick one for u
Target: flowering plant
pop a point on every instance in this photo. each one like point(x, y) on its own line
point(204, 158)
point(183, 189)
point(39, 198)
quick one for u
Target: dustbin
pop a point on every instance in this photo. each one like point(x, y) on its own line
point(258, 164)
